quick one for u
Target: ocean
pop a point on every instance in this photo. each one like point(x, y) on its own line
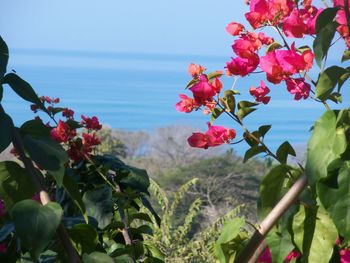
point(139, 91)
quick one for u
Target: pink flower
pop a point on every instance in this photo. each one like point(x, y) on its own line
point(293, 25)
point(264, 39)
point(186, 104)
point(68, 113)
point(2, 208)
point(209, 106)
point(257, 16)
point(91, 123)
point(308, 58)
point(344, 256)
point(265, 257)
point(243, 48)
point(260, 93)
point(292, 255)
point(3, 247)
point(298, 87)
point(62, 133)
point(234, 28)
point(203, 90)
point(242, 66)
point(216, 83)
point(90, 140)
point(215, 136)
point(311, 22)
point(195, 70)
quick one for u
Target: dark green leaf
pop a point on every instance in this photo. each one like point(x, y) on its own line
point(264, 129)
point(214, 74)
point(323, 41)
point(346, 56)
point(137, 179)
point(191, 83)
point(243, 112)
point(334, 193)
point(216, 113)
point(327, 16)
point(47, 153)
point(254, 150)
point(72, 188)
point(140, 216)
point(4, 57)
point(35, 128)
point(98, 257)
point(36, 224)
point(98, 203)
point(283, 151)
point(326, 144)
point(84, 237)
point(148, 205)
point(272, 189)
point(23, 89)
point(15, 184)
point(246, 104)
point(274, 46)
point(343, 78)
point(229, 101)
point(328, 80)
point(6, 126)
point(145, 229)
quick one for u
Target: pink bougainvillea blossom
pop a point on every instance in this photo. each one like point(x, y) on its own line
point(91, 123)
point(216, 83)
point(68, 113)
point(209, 106)
point(186, 104)
point(195, 70)
point(2, 208)
point(298, 87)
point(63, 132)
point(292, 255)
point(344, 255)
point(294, 26)
point(203, 90)
point(215, 136)
point(260, 93)
point(242, 66)
point(234, 28)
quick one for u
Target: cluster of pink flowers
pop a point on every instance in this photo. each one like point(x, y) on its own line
point(215, 136)
point(342, 29)
point(260, 93)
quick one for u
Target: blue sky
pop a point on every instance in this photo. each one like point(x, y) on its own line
point(152, 26)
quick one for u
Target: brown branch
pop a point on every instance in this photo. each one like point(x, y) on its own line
point(44, 196)
point(248, 254)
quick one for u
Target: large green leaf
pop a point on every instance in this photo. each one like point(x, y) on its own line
point(137, 179)
point(98, 257)
point(84, 237)
point(254, 150)
point(272, 189)
point(323, 41)
point(6, 126)
point(327, 143)
point(4, 57)
point(280, 245)
point(314, 234)
point(15, 184)
point(328, 80)
point(47, 153)
point(334, 193)
point(35, 128)
point(99, 205)
point(36, 224)
point(283, 151)
point(327, 16)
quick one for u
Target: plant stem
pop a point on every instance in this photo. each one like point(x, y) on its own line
point(44, 196)
point(248, 253)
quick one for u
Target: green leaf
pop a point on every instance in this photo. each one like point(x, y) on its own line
point(264, 129)
point(47, 153)
point(98, 203)
point(6, 126)
point(323, 41)
point(343, 78)
point(4, 57)
point(145, 229)
point(214, 74)
point(272, 189)
point(243, 112)
point(327, 143)
point(216, 113)
point(72, 188)
point(273, 46)
point(328, 80)
point(346, 55)
point(140, 216)
point(229, 101)
point(191, 83)
point(280, 245)
point(334, 193)
point(283, 151)
point(98, 257)
point(254, 150)
point(327, 16)
point(84, 237)
point(35, 128)
point(15, 184)
point(36, 224)
point(137, 179)
point(314, 234)
point(246, 104)
point(23, 89)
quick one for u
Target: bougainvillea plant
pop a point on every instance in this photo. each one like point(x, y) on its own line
point(60, 201)
point(304, 210)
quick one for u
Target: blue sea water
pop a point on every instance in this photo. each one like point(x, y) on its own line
point(139, 91)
